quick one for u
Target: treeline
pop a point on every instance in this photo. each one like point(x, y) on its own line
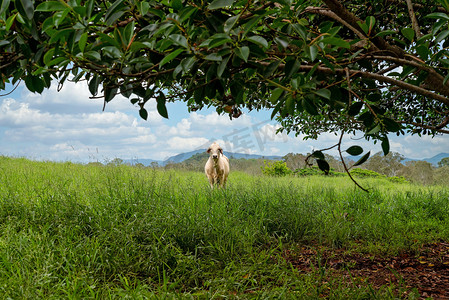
point(391, 166)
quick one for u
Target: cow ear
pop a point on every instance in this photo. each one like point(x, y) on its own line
point(208, 150)
point(221, 150)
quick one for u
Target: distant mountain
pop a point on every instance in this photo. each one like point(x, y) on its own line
point(251, 156)
point(434, 160)
point(183, 156)
point(143, 161)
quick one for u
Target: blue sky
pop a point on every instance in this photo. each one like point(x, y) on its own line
point(68, 126)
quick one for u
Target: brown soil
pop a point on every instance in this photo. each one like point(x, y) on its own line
point(426, 272)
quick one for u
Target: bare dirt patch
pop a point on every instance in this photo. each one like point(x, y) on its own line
point(426, 272)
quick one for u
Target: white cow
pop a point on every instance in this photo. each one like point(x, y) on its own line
point(217, 166)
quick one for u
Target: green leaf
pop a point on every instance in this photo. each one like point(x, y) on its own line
point(34, 84)
point(276, 110)
point(301, 30)
point(82, 41)
point(336, 42)
point(89, 7)
point(423, 52)
point(51, 6)
point(391, 125)
point(323, 165)
point(4, 6)
point(374, 130)
point(186, 13)
point(309, 106)
point(93, 85)
point(370, 22)
point(290, 104)
point(243, 53)
point(21, 10)
point(57, 61)
point(362, 159)
point(277, 92)
point(62, 35)
point(179, 40)
point(409, 33)
point(438, 15)
point(143, 113)
point(107, 40)
point(258, 40)
point(385, 145)
point(109, 92)
point(94, 55)
point(385, 32)
point(230, 23)
point(251, 23)
point(364, 26)
point(161, 108)
point(281, 42)
point(213, 57)
point(216, 42)
point(143, 7)
point(128, 33)
point(355, 108)
point(441, 36)
point(176, 4)
point(325, 93)
point(354, 150)
point(48, 56)
point(312, 52)
point(28, 7)
point(187, 64)
point(126, 90)
point(60, 16)
point(222, 66)
point(271, 68)
point(10, 21)
point(170, 57)
point(291, 67)
point(112, 8)
point(216, 4)
point(113, 13)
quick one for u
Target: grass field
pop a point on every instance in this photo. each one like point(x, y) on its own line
point(95, 232)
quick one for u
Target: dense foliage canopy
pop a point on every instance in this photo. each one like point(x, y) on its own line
point(330, 65)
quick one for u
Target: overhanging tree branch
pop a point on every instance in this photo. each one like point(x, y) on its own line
point(375, 76)
point(411, 12)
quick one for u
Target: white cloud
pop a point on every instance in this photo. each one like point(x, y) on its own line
point(182, 128)
point(16, 114)
point(274, 150)
point(215, 122)
point(185, 144)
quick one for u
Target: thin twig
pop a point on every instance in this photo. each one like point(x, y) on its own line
point(343, 132)
point(9, 93)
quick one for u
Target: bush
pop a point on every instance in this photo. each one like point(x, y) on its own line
point(275, 168)
point(310, 171)
point(366, 173)
point(397, 179)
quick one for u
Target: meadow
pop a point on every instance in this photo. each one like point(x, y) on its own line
point(72, 231)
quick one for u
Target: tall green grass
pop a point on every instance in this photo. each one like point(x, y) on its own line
point(76, 231)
